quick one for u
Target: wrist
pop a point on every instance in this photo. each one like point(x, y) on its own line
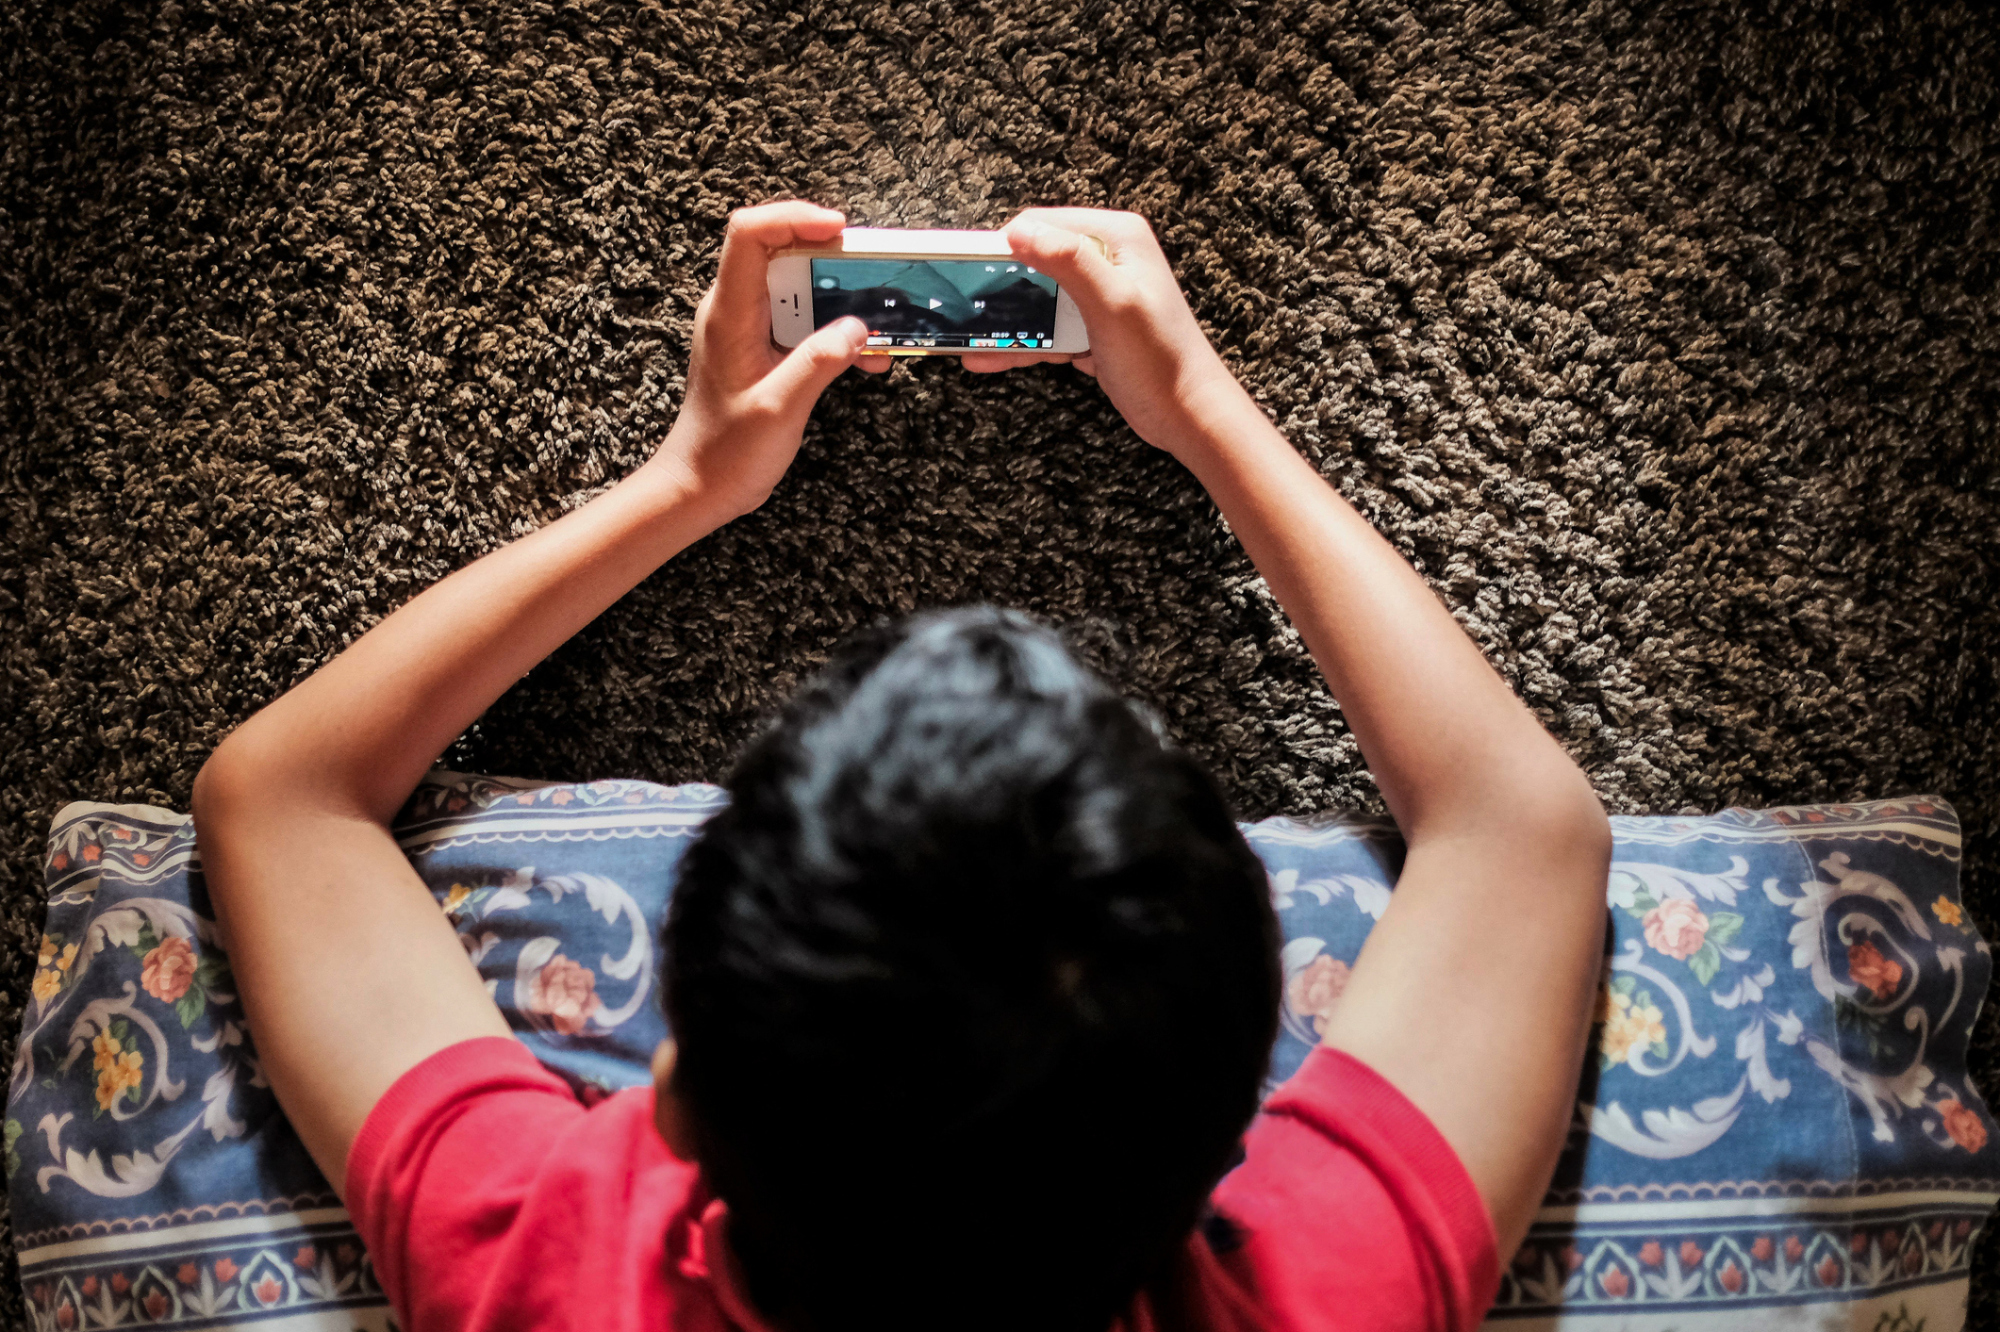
point(1215, 415)
point(676, 490)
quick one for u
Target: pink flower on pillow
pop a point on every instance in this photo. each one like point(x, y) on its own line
point(565, 992)
point(1677, 928)
point(168, 970)
point(1881, 975)
point(1315, 988)
point(1962, 1124)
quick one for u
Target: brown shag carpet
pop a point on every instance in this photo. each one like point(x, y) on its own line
point(1663, 338)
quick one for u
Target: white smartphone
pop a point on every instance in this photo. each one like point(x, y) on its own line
point(924, 293)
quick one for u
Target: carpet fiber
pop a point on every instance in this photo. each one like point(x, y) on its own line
point(1663, 339)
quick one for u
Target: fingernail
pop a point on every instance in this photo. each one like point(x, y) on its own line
point(1028, 229)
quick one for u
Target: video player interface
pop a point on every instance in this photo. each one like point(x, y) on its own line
point(960, 303)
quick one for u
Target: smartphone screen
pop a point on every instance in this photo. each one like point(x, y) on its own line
point(999, 303)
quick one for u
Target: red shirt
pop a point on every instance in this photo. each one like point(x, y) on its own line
point(491, 1199)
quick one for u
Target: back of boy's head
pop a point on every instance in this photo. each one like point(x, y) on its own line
point(974, 983)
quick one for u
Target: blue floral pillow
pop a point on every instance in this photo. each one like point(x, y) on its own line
point(1774, 1123)
point(1775, 1119)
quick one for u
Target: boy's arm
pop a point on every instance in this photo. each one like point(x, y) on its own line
point(349, 974)
point(1474, 994)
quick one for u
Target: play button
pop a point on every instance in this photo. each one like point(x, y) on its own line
point(935, 303)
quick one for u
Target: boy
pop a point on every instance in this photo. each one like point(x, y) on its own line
point(973, 983)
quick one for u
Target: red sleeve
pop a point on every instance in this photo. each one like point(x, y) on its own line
point(1352, 1210)
point(441, 1166)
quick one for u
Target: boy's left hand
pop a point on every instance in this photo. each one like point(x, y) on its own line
point(747, 400)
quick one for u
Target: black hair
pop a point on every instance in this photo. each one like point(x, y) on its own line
point(975, 983)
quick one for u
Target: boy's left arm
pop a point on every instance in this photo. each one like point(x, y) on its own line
point(349, 973)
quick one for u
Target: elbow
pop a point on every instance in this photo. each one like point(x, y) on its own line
point(1585, 825)
point(1558, 820)
point(217, 787)
point(253, 777)
point(230, 797)
point(1573, 818)
point(1541, 801)
point(236, 780)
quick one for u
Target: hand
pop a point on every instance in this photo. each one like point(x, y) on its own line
point(747, 401)
point(1145, 347)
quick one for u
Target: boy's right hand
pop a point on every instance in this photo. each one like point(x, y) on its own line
point(747, 400)
point(1145, 347)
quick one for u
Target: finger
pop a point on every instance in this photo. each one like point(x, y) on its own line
point(1116, 229)
point(1085, 364)
point(754, 235)
point(875, 363)
point(988, 363)
point(817, 361)
point(1072, 258)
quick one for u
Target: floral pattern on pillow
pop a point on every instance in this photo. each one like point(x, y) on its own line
point(1775, 1110)
point(1774, 1115)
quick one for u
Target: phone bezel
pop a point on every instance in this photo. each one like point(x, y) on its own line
point(788, 279)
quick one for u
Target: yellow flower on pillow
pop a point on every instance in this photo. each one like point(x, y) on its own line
point(1631, 1027)
point(105, 1051)
point(124, 1073)
point(48, 984)
point(1948, 911)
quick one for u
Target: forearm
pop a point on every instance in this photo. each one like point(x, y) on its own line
point(358, 735)
point(292, 810)
point(345, 966)
point(1448, 743)
point(1508, 846)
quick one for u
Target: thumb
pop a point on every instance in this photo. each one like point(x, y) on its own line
point(818, 361)
point(1076, 261)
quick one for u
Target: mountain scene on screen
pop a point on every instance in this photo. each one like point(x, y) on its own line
point(922, 298)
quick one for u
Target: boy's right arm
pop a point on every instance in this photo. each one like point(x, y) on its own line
point(1474, 994)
